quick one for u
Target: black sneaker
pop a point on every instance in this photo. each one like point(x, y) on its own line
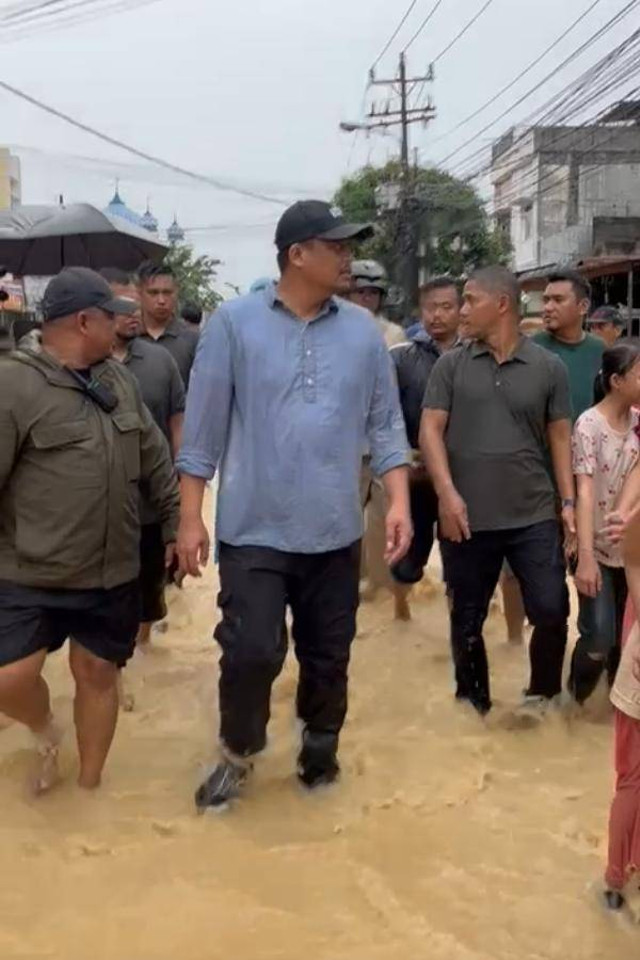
point(317, 764)
point(224, 784)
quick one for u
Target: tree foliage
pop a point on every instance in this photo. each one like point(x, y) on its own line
point(451, 228)
point(195, 276)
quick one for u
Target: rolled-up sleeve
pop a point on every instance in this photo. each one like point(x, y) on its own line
point(208, 408)
point(386, 432)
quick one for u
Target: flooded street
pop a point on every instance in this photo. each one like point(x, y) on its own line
point(447, 839)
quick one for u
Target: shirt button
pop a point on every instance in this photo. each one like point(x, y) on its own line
point(309, 381)
point(308, 353)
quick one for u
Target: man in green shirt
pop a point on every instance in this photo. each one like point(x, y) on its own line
point(566, 304)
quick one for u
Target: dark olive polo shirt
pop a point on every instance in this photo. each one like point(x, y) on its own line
point(159, 379)
point(181, 340)
point(496, 434)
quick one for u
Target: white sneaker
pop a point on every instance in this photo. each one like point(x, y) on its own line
point(530, 712)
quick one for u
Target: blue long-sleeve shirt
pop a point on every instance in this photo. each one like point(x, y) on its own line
point(284, 409)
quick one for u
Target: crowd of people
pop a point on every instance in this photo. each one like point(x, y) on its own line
point(520, 454)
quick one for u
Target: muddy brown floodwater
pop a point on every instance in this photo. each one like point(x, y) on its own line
point(448, 839)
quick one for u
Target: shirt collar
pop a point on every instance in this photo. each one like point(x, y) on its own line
point(521, 352)
point(172, 329)
point(332, 305)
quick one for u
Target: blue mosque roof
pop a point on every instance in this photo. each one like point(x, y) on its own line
point(148, 221)
point(175, 233)
point(118, 208)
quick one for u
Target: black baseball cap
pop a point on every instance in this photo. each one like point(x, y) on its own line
point(78, 288)
point(606, 315)
point(316, 220)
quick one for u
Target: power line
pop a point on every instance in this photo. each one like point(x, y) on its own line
point(394, 34)
point(523, 73)
point(54, 112)
point(464, 29)
point(458, 36)
point(18, 10)
point(23, 21)
point(423, 24)
point(555, 110)
point(533, 183)
point(572, 56)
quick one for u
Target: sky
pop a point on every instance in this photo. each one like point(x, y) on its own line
point(252, 92)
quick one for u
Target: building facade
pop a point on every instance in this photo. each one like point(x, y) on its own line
point(562, 194)
point(10, 182)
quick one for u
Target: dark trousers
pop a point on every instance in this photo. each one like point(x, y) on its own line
point(600, 628)
point(472, 570)
point(256, 584)
point(424, 516)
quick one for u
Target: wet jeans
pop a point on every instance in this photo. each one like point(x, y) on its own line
point(472, 570)
point(600, 628)
point(256, 585)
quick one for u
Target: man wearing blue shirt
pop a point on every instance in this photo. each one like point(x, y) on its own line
point(289, 386)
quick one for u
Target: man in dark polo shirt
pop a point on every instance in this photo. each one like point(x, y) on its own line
point(492, 407)
point(163, 393)
point(161, 324)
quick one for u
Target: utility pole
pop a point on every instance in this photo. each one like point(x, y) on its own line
point(405, 203)
point(404, 120)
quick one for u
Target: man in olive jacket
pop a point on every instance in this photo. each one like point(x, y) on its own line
point(76, 444)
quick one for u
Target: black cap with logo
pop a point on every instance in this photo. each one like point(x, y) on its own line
point(79, 288)
point(316, 220)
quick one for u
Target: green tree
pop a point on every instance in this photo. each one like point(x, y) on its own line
point(195, 275)
point(451, 229)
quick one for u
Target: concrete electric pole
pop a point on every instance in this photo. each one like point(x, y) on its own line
point(403, 116)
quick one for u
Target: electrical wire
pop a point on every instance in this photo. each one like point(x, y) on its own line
point(424, 23)
point(458, 36)
point(394, 34)
point(569, 59)
point(520, 76)
point(18, 10)
point(462, 32)
point(559, 109)
point(106, 138)
point(55, 14)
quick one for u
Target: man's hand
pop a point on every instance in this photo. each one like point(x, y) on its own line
point(454, 519)
point(172, 565)
point(169, 555)
point(570, 531)
point(192, 546)
point(588, 577)
point(399, 533)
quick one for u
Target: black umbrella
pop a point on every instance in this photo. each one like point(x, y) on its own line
point(41, 240)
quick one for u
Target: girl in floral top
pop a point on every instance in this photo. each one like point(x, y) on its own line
point(605, 450)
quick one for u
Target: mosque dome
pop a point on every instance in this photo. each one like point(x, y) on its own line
point(118, 208)
point(175, 233)
point(148, 221)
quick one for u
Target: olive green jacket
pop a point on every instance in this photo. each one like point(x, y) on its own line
point(70, 476)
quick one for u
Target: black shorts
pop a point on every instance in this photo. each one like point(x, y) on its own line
point(424, 516)
point(153, 573)
point(105, 622)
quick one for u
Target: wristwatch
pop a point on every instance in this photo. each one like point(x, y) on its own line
point(568, 502)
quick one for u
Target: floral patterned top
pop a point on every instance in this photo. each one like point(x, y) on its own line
point(608, 456)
